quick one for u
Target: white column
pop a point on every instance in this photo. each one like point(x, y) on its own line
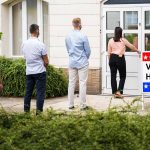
point(10, 32)
point(40, 18)
point(24, 20)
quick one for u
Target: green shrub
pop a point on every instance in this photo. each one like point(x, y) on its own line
point(13, 76)
point(60, 131)
point(1, 35)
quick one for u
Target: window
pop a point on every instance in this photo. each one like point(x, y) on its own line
point(45, 23)
point(23, 14)
point(147, 42)
point(130, 20)
point(17, 28)
point(31, 13)
point(113, 20)
point(147, 19)
point(108, 37)
point(133, 39)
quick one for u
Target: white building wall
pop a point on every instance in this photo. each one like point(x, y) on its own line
point(61, 14)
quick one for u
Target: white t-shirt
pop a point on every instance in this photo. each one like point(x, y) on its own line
point(33, 50)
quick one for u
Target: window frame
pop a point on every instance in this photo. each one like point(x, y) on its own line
point(24, 22)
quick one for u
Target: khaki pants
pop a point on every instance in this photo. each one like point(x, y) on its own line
point(83, 76)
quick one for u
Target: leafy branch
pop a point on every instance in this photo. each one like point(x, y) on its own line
point(1, 35)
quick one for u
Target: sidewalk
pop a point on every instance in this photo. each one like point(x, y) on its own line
point(98, 102)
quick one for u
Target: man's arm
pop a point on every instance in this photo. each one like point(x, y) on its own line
point(46, 60)
point(87, 47)
point(22, 49)
point(67, 45)
point(44, 55)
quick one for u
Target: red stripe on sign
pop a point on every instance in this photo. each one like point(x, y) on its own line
point(146, 56)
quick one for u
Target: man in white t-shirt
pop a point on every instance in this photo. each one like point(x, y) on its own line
point(36, 57)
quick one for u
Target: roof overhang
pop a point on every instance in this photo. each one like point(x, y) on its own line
point(111, 2)
point(6, 1)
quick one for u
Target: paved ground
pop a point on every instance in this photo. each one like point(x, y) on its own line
point(97, 102)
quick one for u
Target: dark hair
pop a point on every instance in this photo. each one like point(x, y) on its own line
point(118, 34)
point(34, 28)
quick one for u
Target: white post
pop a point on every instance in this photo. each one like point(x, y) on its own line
point(142, 103)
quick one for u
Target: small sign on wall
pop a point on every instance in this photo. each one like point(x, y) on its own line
point(146, 71)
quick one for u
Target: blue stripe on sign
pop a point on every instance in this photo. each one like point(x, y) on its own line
point(146, 86)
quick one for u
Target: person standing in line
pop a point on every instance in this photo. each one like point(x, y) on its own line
point(116, 51)
point(36, 57)
point(79, 52)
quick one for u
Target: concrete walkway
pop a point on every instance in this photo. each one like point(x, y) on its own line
point(98, 102)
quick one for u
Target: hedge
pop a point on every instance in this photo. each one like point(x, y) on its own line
point(88, 131)
point(12, 74)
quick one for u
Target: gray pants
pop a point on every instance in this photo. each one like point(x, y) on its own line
point(83, 76)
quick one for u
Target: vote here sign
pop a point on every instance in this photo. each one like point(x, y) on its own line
point(146, 71)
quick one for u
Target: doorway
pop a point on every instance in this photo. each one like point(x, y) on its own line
point(135, 22)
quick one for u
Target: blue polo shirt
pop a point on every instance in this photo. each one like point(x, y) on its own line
point(33, 50)
point(78, 48)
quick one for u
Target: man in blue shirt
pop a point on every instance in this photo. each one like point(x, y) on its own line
point(36, 62)
point(79, 52)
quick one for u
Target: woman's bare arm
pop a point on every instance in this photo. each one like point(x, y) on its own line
point(131, 46)
point(109, 48)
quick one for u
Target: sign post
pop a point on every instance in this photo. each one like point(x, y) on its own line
point(145, 75)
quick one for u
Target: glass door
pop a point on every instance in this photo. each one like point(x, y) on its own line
point(130, 21)
point(145, 32)
point(132, 32)
point(146, 29)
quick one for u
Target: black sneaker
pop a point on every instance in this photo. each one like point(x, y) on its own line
point(72, 107)
point(84, 108)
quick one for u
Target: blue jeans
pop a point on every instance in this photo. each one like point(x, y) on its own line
point(40, 81)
